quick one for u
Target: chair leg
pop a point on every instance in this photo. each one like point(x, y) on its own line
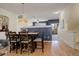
point(35, 45)
point(42, 46)
point(32, 47)
point(21, 48)
point(16, 47)
point(10, 48)
point(28, 48)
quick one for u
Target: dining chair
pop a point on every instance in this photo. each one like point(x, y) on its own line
point(13, 41)
point(24, 42)
point(7, 34)
point(39, 42)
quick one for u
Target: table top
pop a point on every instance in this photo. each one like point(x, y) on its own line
point(29, 33)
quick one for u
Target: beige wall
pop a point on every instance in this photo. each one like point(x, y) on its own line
point(64, 33)
point(73, 22)
point(76, 19)
point(70, 33)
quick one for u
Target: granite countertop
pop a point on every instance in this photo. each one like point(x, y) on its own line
point(37, 27)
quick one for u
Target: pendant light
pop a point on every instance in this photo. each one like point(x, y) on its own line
point(22, 19)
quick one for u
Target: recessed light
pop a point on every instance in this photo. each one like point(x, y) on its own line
point(57, 12)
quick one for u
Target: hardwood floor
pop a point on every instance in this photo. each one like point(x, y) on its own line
point(54, 48)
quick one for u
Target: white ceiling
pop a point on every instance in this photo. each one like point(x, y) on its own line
point(40, 10)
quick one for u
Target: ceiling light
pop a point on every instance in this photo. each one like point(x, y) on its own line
point(22, 20)
point(57, 12)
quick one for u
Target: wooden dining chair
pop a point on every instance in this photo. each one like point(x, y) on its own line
point(7, 35)
point(39, 42)
point(24, 42)
point(13, 41)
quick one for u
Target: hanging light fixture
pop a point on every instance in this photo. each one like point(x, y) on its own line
point(22, 20)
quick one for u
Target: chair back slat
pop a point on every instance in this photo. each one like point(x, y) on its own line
point(12, 36)
point(23, 36)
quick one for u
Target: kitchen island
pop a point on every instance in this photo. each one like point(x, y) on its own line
point(45, 31)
